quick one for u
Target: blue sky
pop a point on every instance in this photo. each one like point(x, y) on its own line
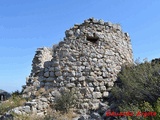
point(26, 25)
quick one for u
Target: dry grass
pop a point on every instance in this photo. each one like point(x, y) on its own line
point(17, 100)
point(28, 117)
point(11, 103)
point(43, 92)
point(68, 116)
point(56, 115)
point(40, 92)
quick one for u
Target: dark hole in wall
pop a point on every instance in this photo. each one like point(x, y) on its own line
point(92, 39)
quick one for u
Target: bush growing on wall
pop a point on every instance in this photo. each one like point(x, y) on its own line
point(65, 101)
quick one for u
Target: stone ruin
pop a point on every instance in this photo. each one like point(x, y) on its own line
point(4, 95)
point(88, 60)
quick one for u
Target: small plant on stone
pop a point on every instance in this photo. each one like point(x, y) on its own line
point(66, 100)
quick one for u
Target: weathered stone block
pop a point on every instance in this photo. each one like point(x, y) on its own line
point(55, 63)
point(51, 74)
point(70, 85)
point(90, 79)
point(97, 95)
point(27, 109)
point(81, 78)
point(105, 94)
point(69, 33)
point(103, 88)
point(58, 73)
point(43, 99)
point(46, 74)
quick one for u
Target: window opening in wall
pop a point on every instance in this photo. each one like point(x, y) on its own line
point(92, 39)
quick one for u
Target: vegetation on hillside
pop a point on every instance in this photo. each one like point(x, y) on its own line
point(14, 101)
point(138, 89)
point(61, 108)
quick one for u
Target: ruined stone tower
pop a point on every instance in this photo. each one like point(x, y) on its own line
point(88, 59)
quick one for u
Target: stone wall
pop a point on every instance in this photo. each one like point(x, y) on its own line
point(4, 95)
point(41, 59)
point(88, 60)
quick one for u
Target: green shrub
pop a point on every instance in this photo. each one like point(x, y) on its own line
point(65, 101)
point(157, 109)
point(138, 88)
